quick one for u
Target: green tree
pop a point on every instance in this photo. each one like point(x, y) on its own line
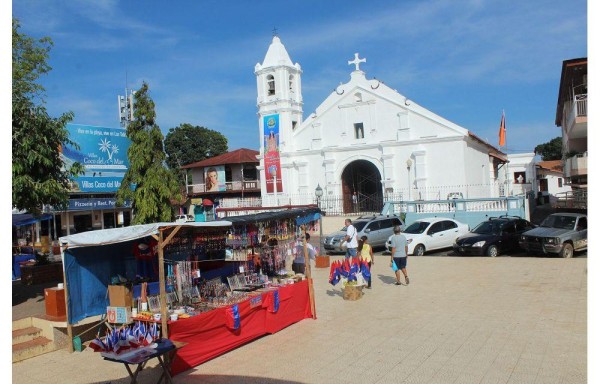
point(39, 174)
point(148, 184)
point(188, 144)
point(551, 150)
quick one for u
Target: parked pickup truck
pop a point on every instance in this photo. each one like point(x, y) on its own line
point(559, 233)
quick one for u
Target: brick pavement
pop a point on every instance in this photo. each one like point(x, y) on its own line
point(461, 320)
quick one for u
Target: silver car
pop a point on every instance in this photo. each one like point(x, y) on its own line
point(377, 229)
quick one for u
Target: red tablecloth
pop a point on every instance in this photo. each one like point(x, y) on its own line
point(211, 334)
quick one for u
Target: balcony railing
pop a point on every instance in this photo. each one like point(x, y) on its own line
point(229, 186)
point(574, 109)
point(576, 165)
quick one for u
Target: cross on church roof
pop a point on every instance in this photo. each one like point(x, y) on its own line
point(357, 61)
point(274, 31)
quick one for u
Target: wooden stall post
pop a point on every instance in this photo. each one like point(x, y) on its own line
point(311, 290)
point(67, 301)
point(162, 243)
point(161, 286)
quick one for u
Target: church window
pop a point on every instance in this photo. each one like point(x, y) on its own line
point(359, 131)
point(358, 97)
point(292, 83)
point(270, 85)
point(294, 125)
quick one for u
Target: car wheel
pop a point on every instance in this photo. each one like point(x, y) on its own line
point(419, 250)
point(566, 251)
point(492, 251)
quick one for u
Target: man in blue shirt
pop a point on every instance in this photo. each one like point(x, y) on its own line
point(399, 254)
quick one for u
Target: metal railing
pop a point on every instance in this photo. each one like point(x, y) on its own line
point(572, 199)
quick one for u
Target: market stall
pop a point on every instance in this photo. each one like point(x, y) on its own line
point(208, 293)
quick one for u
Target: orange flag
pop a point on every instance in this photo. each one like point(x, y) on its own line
point(502, 133)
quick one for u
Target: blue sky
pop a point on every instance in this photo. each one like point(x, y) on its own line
point(464, 60)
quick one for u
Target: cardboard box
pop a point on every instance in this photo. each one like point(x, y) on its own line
point(120, 296)
point(118, 315)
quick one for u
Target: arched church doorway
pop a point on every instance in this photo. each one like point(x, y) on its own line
point(361, 188)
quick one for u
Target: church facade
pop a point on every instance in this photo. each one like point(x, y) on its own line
point(365, 142)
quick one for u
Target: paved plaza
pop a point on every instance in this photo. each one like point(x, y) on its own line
point(461, 320)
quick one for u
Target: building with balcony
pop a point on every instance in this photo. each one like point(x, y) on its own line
point(226, 180)
point(571, 117)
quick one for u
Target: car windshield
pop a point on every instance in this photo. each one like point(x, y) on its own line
point(417, 227)
point(359, 225)
point(488, 228)
point(558, 221)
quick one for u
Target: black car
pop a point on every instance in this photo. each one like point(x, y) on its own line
point(493, 237)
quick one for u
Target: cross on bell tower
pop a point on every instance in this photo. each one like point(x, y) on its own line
point(357, 61)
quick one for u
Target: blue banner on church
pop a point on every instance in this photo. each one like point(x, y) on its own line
point(271, 158)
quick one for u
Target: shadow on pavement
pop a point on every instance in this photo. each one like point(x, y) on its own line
point(21, 292)
point(387, 279)
point(334, 292)
point(227, 379)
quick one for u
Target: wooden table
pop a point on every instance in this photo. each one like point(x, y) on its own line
point(163, 353)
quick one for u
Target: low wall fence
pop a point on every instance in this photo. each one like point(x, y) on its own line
point(481, 197)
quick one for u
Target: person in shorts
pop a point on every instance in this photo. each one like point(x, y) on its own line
point(399, 254)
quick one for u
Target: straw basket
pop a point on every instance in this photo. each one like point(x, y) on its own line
point(353, 292)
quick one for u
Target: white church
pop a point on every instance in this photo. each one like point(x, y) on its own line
point(365, 139)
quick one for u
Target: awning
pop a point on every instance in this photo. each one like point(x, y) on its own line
point(19, 220)
point(301, 215)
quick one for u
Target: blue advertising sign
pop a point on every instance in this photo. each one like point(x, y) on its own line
point(95, 204)
point(103, 153)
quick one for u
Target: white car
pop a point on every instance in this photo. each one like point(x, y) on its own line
point(431, 233)
point(184, 218)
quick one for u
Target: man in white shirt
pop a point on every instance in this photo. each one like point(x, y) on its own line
point(351, 239)
point(298, 265)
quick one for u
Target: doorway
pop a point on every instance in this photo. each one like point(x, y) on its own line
point(361, 188)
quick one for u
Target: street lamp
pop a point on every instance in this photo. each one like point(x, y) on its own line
point(319, 194)
point(408, 165)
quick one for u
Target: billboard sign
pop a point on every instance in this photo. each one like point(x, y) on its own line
point(95, 204)
point(214, 178)
point(103, 153)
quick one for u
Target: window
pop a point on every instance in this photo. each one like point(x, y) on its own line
point(582, 223)
point(560, 182)
point(270, 85)
point(374, 226)
point(519, 178)
point(358, 97)
point(359, 131)
point(449, 225)
point(436, 227)
point(509, 228)
point(292, 83)
point(522, 226)
point(294, 125)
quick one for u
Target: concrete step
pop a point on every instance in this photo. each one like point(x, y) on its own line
point(25, 334)
point(32, 348)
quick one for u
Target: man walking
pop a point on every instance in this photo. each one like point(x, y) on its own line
point(351, 239)
point(399, 254)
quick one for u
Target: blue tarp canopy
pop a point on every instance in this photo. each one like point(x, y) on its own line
point(91, 258)
point(21, 219)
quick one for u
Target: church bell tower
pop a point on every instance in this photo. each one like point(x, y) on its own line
point(279, 87)
point(279, 103)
